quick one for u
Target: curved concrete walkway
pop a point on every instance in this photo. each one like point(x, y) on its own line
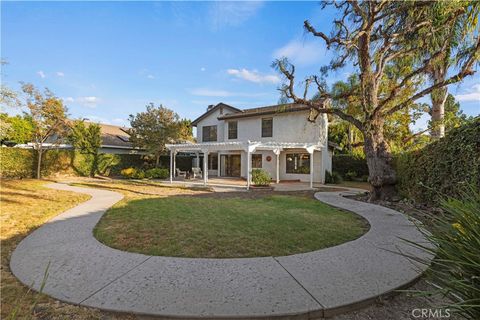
point(311, 285)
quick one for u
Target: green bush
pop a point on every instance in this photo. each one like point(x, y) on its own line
point(455, 239)
point(133, 173)
point(106, 162)
point(157, 173)
point(443, 167)
point(260, 177)
point(350, 166)
point(16, 163)
point(333, 177)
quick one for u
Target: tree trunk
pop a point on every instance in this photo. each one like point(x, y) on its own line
point(379, 160)
point(94, 166)
point(39, 162)
point(438, 97)
point(157, 160)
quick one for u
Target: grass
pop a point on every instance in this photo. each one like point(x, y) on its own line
point(25, 205)
point(214, 225)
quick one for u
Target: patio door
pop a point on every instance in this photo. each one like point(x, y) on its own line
point(230, 165)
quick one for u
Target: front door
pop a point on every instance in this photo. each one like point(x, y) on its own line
point(230, 165)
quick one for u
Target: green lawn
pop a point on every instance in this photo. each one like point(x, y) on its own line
point(220, 226)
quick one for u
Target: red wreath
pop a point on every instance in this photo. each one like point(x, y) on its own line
point(269, 158)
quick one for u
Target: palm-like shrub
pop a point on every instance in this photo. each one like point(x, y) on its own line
point(455, 269)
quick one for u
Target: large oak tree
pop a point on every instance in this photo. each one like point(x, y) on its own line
point(381, 40)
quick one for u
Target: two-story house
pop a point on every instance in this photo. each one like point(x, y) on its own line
point(279, 139)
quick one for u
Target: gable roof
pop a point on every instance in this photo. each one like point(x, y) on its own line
point(115, 136)
point(213, 109)
point(268, 110)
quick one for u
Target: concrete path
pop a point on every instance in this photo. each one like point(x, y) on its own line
point(311, 285)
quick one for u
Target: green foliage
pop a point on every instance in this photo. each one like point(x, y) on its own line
point(260, 177)
point(456, 238)
point(333, 177)
point(87, 140)
point(106, 162)
point(21, 163)
point(17, 129)
point(157, 173)
point(157, 126)
point(443, 167)
point(16, 163)
point(350, 166)
point(133, 173)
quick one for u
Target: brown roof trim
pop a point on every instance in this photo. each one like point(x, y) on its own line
point(221, 104)
point(275, 109)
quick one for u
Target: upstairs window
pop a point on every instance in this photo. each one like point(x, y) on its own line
point(256, 161)
point(209, 133)
point(298, 163)
point(232, 130)
point(267, 127)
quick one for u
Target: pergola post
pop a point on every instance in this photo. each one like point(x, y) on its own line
point(277, 154)
point(171, 165)
point(311, 151)
point(198, 159)
point(205, 167)
point(174, 163)
point(249, 165)
point(218, 164)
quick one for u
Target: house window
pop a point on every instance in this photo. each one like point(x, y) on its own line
point(298, 163)
point(209, 133)
point(256, 160)
point(232, 130)
point(213, 161)
point(267, 127)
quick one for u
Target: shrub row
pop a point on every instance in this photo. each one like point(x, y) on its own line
point(22, 163)
point(442, 168)
point(154, 173)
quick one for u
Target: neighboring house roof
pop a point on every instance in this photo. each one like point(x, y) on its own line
point(269, 110)
point(213, 108)
point(114, 136)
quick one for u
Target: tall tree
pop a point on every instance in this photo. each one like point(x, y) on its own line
point(457, 32)
point(375, 36)
point(87, 139)
point(155, 127)
point(48, 116)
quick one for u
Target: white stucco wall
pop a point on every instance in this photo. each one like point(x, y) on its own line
point(287, 127)
point(212, 120)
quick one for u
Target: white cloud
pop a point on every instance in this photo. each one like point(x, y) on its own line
point(41, 74)
point(150, 76)
point(204, 92)
point(301, 52)
point(472, 95)
point(68, 99)
point(202, 69)
point(60, 74)
point(90, 102)
point(253, 76)
point(232, 13)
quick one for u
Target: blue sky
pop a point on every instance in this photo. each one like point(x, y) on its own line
point(109, 59)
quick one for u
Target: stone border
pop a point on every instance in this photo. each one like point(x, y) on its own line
point(310, 285)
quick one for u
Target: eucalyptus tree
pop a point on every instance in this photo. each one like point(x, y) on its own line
point(376, 38)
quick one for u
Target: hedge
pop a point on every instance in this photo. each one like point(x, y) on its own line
point(21, 163)
point(350, 166)
point(442, 168)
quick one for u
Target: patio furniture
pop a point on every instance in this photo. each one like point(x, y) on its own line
point(181, 173)
point(196, 172)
